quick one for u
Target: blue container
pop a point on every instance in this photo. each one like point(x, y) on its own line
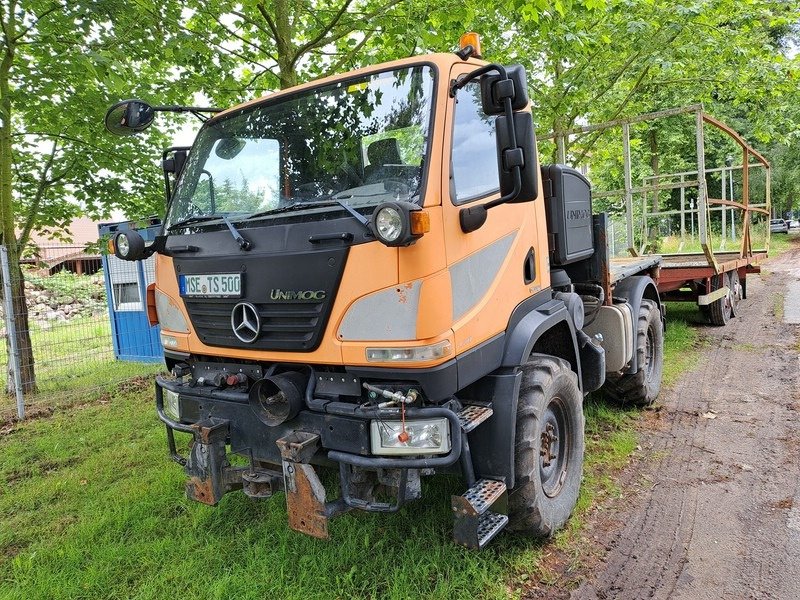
point(126, 293)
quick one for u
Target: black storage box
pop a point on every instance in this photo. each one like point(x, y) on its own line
point(568, 205)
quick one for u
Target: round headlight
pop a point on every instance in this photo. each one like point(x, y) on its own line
point(123, 245)
point(129, 245)
point(389, 224)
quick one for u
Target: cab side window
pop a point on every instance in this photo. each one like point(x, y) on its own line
point(474, 154)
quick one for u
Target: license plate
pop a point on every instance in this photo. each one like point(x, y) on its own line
point(216, 285)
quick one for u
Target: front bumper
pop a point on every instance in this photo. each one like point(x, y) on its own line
point(343, 427)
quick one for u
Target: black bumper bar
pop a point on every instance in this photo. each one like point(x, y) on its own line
point(321, 407)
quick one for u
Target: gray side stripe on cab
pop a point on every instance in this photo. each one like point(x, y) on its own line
point(389, 315)
point(472, 276)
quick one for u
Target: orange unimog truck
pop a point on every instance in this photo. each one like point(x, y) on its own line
point(372, 272)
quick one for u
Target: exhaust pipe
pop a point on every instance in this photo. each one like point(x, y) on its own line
point(278, 398)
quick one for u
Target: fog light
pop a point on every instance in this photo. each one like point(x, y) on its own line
point(425, 436)
point(172, 405)
point(169, 341)
point(413, 354)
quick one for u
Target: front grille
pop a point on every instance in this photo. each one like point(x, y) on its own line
point(284, 326)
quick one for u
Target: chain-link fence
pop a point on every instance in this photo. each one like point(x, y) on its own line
point(75, 329)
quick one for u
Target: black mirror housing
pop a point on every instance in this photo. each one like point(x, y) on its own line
point(493, 89)
point(129, 245)
point(129, 117)
point(524, 155)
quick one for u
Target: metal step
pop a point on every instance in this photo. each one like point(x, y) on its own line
point(472, 415)
point(490, 524)
point(482, 496)
point(480, 513)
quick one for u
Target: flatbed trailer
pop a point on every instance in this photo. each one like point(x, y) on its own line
point(707, 273)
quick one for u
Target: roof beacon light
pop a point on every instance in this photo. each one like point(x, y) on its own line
point(470, 39)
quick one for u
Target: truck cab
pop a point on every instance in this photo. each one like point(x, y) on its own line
point(373, 273)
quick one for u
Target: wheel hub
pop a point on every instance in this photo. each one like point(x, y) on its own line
point(553, 450)
point(548, 450)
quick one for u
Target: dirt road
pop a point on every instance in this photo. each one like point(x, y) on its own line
point(717, 508)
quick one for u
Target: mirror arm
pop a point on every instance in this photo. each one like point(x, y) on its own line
point(195, 110)
point(180, 109)
point(457, 85)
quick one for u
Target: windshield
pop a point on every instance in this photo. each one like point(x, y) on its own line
point(359, 142)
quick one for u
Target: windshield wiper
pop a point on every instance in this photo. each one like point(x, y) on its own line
point(324, 201)
point(194, 219)
point(243, 243)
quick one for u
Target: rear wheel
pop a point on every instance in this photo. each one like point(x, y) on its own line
point(736, 292)
point(548, 452)
point(641, 388)
point(721, 310)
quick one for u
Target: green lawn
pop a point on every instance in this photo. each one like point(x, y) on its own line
point(90, 507)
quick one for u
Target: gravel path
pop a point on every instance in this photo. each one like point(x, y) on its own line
point(718, 511)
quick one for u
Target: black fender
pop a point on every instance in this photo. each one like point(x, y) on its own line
point(634, 289)
point(521, 337)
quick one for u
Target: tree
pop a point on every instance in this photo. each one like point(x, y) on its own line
point(61, 64)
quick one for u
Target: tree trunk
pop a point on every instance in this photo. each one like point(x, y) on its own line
point(22, 329)
point(7, 233)
point(654, 163)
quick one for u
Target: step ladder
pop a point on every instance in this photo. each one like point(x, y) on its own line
point(480, 513)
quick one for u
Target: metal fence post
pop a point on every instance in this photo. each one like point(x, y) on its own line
point(11, 331)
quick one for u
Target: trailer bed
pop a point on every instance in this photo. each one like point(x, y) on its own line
point(622, 267)
point(679, 269)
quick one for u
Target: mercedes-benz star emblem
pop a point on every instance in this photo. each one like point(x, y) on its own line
point(245, 322)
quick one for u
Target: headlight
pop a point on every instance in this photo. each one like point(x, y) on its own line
point(172, 405)
point(412, 354)
point(170, 317)
point(128, 245)
point(389, 224)
point(425, 436)
point(399, 223)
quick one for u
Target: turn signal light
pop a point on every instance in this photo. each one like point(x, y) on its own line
point(420, 222)
point(152, 314)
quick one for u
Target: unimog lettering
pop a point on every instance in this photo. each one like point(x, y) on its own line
point(288, 295)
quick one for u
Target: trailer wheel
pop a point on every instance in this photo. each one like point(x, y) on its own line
point(721, 310)
point(736, 292)
point(641, 388)
point(548, 452)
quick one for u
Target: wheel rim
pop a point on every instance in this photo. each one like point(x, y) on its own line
point(553, 449)
point(736, 291)
point(649, 345)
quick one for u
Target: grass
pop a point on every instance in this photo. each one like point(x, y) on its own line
point(90, 507)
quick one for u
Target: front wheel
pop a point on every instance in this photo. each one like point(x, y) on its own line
point(642, 388)
point(548, 451)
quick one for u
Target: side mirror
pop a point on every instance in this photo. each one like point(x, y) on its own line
point(493, 90)
point(128, 245)
point(129, 117)
point(523, 155)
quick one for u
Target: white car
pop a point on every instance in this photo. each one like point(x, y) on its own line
point(778, 226)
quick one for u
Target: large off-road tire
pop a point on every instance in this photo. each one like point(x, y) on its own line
point(641, 388)
point(721, 310)
point(548, 452)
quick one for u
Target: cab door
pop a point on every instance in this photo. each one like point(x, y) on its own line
point(502, 263)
